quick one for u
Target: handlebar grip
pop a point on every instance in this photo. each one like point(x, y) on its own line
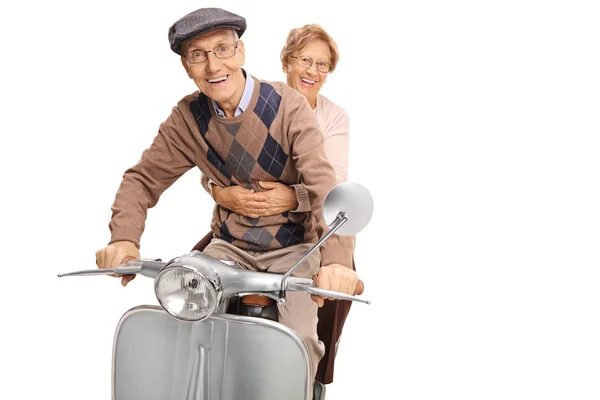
point(358, 290)
point(148, 269)
point(129, 258)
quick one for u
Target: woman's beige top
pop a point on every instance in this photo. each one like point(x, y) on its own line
point(335, 124)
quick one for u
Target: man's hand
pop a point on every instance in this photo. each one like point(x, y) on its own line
point(338, 278)
point(280, 197)
point(241, 201)
point(116, 254)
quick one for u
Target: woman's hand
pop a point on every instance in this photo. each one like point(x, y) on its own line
point(241, 201)
point(280, 197)
point(276, 199)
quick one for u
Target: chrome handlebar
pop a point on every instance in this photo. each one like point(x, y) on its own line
point(146, 268)
point(244, 282)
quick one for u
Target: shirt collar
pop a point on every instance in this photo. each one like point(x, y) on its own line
point(244, 101)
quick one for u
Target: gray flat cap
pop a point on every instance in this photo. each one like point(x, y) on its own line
point(201, 21)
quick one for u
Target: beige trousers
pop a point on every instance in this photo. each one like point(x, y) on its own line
point(300, 311)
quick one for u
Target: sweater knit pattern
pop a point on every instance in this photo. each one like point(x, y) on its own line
point(276, 139)
point(244, 153)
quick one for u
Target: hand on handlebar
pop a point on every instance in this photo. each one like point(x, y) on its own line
point(116, 254)
point(338, 278)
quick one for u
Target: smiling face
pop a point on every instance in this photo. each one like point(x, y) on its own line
point(221, 80)
point(308, 81)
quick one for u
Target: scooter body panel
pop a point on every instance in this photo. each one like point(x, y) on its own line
point(226, 357)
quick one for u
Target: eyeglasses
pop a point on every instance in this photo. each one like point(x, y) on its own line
point(221, 51)
point(307, 63)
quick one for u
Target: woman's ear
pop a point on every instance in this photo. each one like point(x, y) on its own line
point(286, 67)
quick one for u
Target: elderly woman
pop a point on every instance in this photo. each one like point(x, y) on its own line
point(308, 57)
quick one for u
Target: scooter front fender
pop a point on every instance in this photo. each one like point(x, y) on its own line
point(225, 357)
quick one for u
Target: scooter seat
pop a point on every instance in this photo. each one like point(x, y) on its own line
point(238, 307)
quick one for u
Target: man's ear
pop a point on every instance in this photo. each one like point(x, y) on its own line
point(242, 51)
point(185, 66)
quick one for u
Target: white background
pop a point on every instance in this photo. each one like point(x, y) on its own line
point(474, 124)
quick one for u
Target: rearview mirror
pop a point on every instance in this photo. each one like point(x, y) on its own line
point(355, 201)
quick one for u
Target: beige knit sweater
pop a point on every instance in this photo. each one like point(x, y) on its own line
point(277, 138)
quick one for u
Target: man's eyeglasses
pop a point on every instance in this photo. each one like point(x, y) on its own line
point(307, 63)
point(221, 51)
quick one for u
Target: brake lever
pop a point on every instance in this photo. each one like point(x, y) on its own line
point(323, 292)
point(108, 271)
point(145, 267)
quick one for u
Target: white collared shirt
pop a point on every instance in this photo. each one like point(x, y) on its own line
point(244, 101)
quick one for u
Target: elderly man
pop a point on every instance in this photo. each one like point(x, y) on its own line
point(238, 130)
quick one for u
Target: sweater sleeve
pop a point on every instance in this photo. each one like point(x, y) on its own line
point(316, 176)
point(302, 198)
point(208, 184)
point(158, 168)
point(337, 149)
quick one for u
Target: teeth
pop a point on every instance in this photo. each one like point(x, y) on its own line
point(217, 79)
point(308, 81)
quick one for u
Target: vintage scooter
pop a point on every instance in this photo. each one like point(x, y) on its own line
point(197, 346)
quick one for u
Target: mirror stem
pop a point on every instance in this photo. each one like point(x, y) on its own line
point(335, 225)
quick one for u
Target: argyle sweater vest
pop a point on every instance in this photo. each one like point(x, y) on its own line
point(243, 151)
point(277, 138)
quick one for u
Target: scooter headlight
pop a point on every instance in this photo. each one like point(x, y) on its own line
point(185, 293)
